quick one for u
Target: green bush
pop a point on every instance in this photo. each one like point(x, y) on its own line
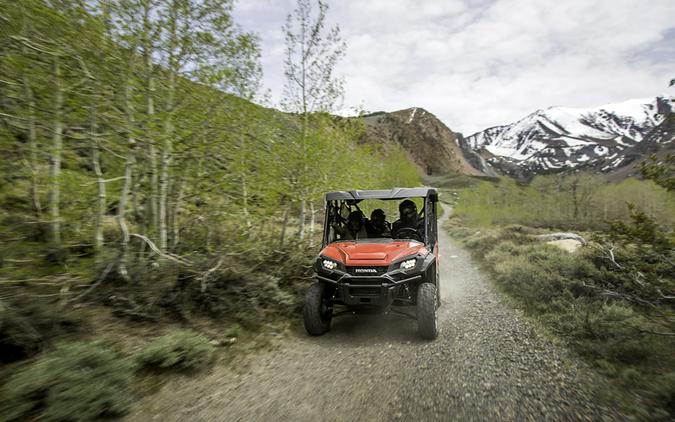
point(460, 232)
point(250, 298)
point(179, 350)
point(55, 254)
point(73, 382)
point(568, 292)
point(234, 331)
point(665, 391)
point(481, 241)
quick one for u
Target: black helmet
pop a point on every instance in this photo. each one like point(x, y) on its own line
point(355, 220)
point(355, 216)
point(408, 210)
point(407, 205)
point(379, 212)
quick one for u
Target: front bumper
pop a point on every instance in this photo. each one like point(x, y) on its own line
point(359, 290)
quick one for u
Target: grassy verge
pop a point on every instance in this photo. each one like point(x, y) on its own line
point(571, 296)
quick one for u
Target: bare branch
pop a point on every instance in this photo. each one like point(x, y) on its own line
point(207, 274)
point(155, 249)
point(95, 285)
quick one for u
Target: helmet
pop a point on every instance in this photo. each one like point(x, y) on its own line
point(377, 217)
point(355, 220)
point(377, 214)
point(407, 209)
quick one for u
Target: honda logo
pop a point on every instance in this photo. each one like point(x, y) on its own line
point(365, 270)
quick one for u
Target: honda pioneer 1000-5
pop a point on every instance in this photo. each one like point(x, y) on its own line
point(369, 265)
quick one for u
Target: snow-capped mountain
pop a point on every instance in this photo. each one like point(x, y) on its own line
point(563, 138)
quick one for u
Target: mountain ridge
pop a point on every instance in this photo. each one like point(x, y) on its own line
point(556, 139)
point(429, 143)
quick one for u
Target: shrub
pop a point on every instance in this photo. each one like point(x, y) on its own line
point(665, 391)
point(27, 326)
point(74, 382)
point(481, 241)
point(250, 298)
point(461, 232)
point(234, 331)
point(179, 350)
point(55, 254)
point(18, 338)
point(611, 314)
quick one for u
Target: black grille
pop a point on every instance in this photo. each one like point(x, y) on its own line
point(366, 271)
point(364, 291)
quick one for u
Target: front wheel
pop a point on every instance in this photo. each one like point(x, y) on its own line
point(427, 311)
point(316, 313)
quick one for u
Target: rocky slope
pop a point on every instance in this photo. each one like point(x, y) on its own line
point(606, 139)
point(431, 145)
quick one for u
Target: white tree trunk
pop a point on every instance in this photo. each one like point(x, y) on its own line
point(32, 146)
point(121, 210)
point(163, 198)
point(175, 226)
point(164, 176)
point(57, 149)
point(312, 213)
point(301, 231)
point(284, 225)
point(152, 217)
point(101, 198)
point(31, 125)
point(127, 185)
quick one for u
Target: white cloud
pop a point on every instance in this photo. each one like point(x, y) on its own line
point(477, 64)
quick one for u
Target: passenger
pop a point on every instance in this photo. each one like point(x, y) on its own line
point(354, 229)
point(409, 225)
point(378, 226)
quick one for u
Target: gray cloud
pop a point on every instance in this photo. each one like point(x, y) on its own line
point(477, 64)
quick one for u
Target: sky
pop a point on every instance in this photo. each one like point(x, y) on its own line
point(481, 63)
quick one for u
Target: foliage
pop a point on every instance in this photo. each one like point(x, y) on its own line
point(662, 172)
point(312, 52)
point(73, 382)
point(642, 229)
point(612, 300)
point(311, 89)
point(179, 350)
point(608, 300)
point(565, 201)
point(26, 328)
point(160, 154)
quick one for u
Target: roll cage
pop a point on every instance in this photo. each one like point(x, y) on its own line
point(338, 202)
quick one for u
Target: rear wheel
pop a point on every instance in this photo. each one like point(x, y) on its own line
point(316, 312)
point(427, 311)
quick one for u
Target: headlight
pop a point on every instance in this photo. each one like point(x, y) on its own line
point(328, 264)
point(408, 264)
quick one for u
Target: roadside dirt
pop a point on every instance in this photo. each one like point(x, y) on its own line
point(488, 363)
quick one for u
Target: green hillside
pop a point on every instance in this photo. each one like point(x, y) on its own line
point(141, 181)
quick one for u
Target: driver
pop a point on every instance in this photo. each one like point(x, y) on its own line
point(378, 226)
point(408, 219)
point(355, 227)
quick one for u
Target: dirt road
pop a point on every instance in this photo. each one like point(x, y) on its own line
point(487, 364)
